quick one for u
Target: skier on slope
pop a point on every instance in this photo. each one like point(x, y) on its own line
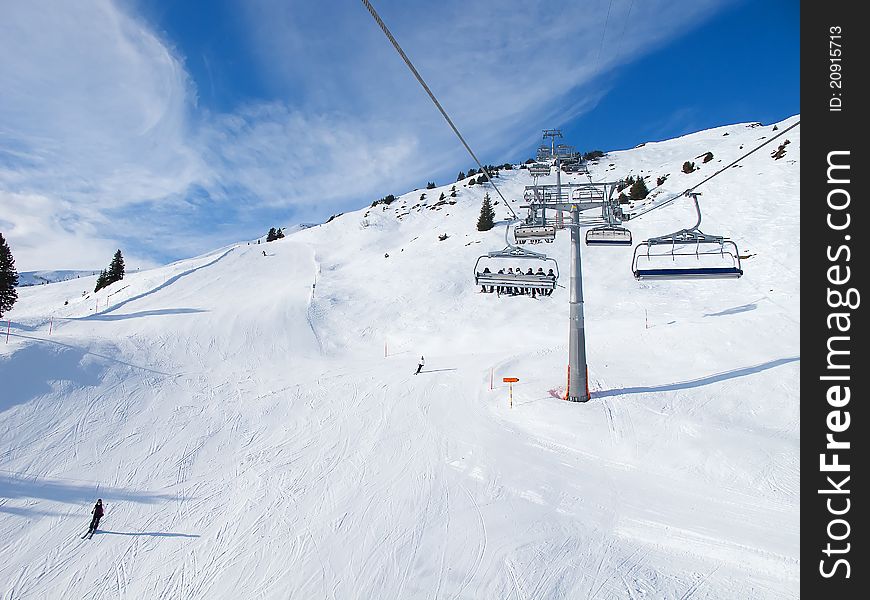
point(420, 366)
point(98, 513)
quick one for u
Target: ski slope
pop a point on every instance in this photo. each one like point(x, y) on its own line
point(254, 427)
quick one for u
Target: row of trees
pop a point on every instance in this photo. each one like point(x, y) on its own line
point(637, 189)
point(275, 234)
point(114, 273)
point(492, 170)
point(8, 278)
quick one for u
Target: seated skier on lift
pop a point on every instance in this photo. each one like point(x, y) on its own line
point(483, 289)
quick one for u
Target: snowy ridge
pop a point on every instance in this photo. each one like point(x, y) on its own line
point(237, 414)
point(28, 278)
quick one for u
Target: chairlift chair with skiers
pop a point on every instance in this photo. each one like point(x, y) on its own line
point(497, 269)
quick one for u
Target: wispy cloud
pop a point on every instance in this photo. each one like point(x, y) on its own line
point(102, 143)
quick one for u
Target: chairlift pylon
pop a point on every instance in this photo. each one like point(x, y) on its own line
point(688, 254)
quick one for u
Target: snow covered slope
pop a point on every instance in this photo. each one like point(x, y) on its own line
point(255, 429)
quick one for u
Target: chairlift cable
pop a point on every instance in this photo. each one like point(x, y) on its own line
point(603, 35)
point(781, 133)
point(622, 35)
point(696, 186)
point(419, 78)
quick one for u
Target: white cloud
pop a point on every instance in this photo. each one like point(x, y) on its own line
point(101, 139)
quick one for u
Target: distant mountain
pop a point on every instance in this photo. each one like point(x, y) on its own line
point(28, 278)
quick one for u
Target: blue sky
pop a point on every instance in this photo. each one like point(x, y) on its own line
point(170, 128)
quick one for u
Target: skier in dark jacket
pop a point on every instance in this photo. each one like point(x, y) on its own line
point(98, 513)
point(420, 366)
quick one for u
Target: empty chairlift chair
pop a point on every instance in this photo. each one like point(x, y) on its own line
point(539, 169)
point(534, 234)
point(608, 235)
point(687, 254)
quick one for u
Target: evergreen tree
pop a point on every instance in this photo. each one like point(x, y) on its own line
point(461, 176)
point(272, 235)
point(279, 234)
point(8, 277)
point(441, 198)
point(472, 172)
point(116, 269)
point(453, 192)
point(101, 281)
point(638, 189)
point(430, 185)
point(487, 215)
point(688, 166)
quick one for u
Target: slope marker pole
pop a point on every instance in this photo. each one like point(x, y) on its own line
point(511, 381)
point(8, 325)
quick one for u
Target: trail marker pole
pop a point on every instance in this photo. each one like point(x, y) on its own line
point(491, 373)
point(8, 325)
point(50, 323)
point(511, 381)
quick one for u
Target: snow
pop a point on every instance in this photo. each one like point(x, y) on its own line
point(238, 416)
point(27, 278)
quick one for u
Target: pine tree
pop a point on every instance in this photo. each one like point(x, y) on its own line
point(116, 269)
point(272, 235)
point(461, 176)
point(638, 189)
point(441, 198)
point(688, 167)
point(430, 185)
point(453, 192)
point(101, 281)
point(8, 277)
point(279, 234)
point(487, 215)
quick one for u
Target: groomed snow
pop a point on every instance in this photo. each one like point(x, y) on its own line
point(237, 414)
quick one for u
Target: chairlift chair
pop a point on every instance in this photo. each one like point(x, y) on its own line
point(539, 169)
point(608, 235)
point(506, 259)
point(687, 254)
point(534, 233)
